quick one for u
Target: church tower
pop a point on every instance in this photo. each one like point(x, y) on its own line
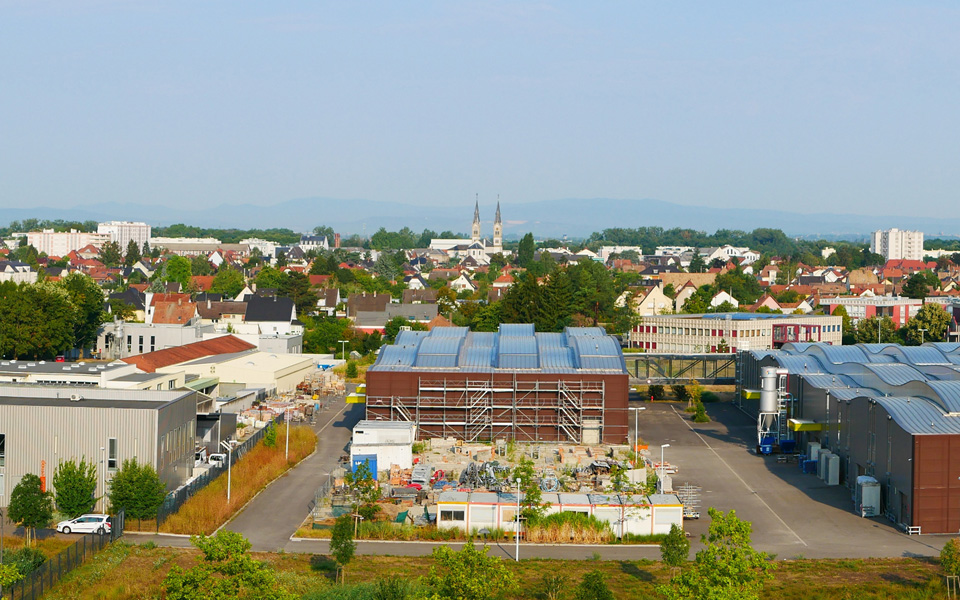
point(497, 231)
point(475, 233)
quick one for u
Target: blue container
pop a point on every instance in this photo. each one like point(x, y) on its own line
point(809, 466)
point(788, 446)
point(766, 448)
point(370, 459)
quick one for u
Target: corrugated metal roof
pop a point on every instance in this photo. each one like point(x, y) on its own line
point(948, 393)
point(410, 338)
point(436, 361)
point(895, 374)
point(440, 345)
point(477, 356)
point(551, 340)
point(454, 332)
point(799, 364)
point(945, 347)
point(924, 355)
point(875, 348)
point(483, 338)
point(854, 392)
point(838, 354)
point(517, 345)
point(605, 363)
point(918, 416)
point(596, 346)
point(518, 361)
point(397, 356)
point(589, 331)
point(827, 381)
point(517, 329)
point(557, 358)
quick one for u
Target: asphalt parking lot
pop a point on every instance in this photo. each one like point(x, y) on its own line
point(792, 514)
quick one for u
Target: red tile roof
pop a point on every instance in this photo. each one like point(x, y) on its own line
point(202, 282)
point(152, 361)
point(173, 313)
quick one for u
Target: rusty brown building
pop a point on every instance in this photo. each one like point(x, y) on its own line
point(511, 384)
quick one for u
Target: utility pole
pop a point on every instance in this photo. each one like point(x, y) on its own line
point(516, 531)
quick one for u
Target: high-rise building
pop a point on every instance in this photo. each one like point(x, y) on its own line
point(61, 243)
point(896, 244)
point(122, 232)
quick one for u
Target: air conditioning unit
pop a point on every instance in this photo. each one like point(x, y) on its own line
point(75, 397)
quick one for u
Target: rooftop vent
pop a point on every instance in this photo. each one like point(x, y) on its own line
point(75, 397)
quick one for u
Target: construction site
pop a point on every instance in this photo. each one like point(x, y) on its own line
point(514, 384)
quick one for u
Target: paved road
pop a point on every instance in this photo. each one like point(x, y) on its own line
point(792, 514)
point(273, 516)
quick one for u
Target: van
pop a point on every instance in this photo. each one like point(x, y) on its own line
point(219, 460)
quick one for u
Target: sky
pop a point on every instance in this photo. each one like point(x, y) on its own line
point(804, 106)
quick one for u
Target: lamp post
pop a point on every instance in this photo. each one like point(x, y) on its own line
point(343, 349)
point(636, 432)
point(662, 469)
point(516, 531)
point(921, 335)
point(286, 422)
point(229, 448)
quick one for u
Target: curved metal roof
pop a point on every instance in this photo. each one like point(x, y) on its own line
point(838, 354)
point(918, 355)
point(945, 347)
point(948, 394)
point(577, 349)
point(799, 364)
point(895, 374)
point(918, 416)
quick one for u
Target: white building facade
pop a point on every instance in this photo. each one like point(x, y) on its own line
point(896, 244)
point(61, 243)
point(122, 232)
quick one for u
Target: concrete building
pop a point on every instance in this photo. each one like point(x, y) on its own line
point(514, 384)
point(17, 272)
point(276, 373)
point(42, 426)
point(900, 310)
point(696, 334)
point(384, 443)
point(115, 375)
point(61, 243)
point(886, 411)
point(122, 232)
point(896, 244)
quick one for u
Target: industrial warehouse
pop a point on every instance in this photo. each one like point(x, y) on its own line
point(882, 419)
point(513, 384)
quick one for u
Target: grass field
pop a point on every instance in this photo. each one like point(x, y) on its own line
point(129, 571)
point(50, 546)
point(209, 509)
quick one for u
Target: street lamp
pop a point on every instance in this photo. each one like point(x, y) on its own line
point(229, 448)
point(516, 531)
point(921, 335)
point(663, 469)
point(636, 433)
point(343, 349)
point(286, 421)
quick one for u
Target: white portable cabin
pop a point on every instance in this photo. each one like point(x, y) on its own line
point(390, 441)
point(667, 511)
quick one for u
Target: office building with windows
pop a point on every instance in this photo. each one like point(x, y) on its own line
point(896, 244)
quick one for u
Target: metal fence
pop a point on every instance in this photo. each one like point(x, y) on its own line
point(320, 506)
point(44, 577)
point(178, 497)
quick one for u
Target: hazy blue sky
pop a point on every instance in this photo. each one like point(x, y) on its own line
point(807, 106)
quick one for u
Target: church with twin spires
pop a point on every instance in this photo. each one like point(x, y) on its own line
point(477, 249)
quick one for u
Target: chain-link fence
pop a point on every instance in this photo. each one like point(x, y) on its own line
point(178, 497)
point(44, 577)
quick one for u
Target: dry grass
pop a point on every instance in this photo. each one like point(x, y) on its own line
point(565, 533)
point(209, 509)
point(127, 572)
point(50, 546)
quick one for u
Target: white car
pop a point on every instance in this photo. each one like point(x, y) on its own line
point(86, 524)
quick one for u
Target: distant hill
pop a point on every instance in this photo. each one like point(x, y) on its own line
point(549, 218)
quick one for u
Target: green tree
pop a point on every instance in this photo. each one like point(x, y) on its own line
point(30, 506)
point(352, 369)
point(469, 574)
point(270, 436)
point(931, 317)
point(228, 281)
point(111, 255)
point(199, 265)
point(364, 485)
point(867, 331)
point(38, 321)
point(296, 286)
point(533, 506)
point(916, 287)
point(950, 558)
point(268, 278)
point(697, 264)
point(178, 269)
point(675, 548)
point(325, 231)
point(593, 587)
point(225, 570)
point(121, 310)
point(342, 546)
point(525, 251)
point(728, 568)
point(656, 392)
point(75, 486)
point(9, 574)
point(87, 299)
point(133, 254)
point(137, 490)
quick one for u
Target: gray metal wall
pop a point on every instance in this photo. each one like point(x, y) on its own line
point(35, 434)
point(176, 440)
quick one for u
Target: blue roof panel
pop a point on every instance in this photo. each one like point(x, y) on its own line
point(518, 361)
point(517, 329)
point(518, 345)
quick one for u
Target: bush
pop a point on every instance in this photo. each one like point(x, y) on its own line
point(656, 392)
point(680, 392)
point(25, 559)
point(593, 587)
point(352, 369)
point(709, 397)
point(700, 414)
point(270, 437)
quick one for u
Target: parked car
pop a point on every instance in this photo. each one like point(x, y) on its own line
point(218, 459)
point(86, 524)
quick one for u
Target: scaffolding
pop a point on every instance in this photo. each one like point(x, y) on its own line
point(485, 409)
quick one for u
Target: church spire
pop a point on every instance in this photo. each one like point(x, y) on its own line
point(498, 230)
point(496, 220)
point(475, 232)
